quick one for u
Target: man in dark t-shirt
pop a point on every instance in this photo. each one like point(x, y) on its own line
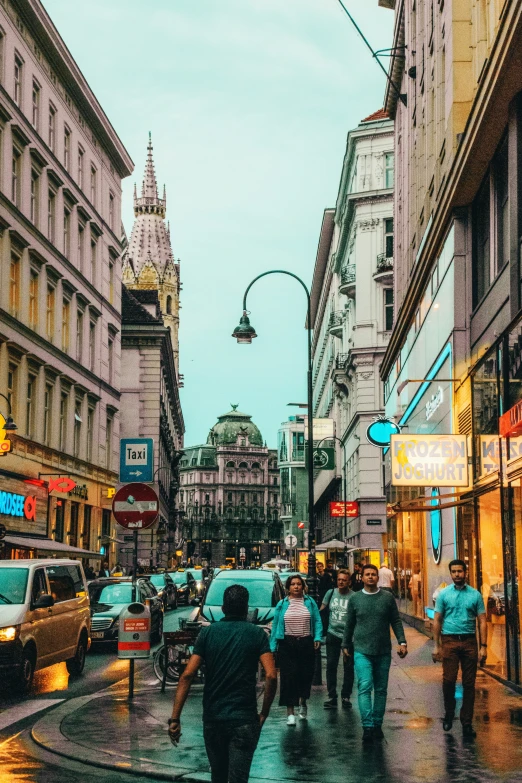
point(231, 650)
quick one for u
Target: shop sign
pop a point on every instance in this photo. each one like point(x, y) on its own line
point(510, 424)
point(429, 461)
point(380, 431)
point(374, 521)
point(324, 458)
point(13, 505)
point(337, 508)
point(490, 452)
point(321, 428)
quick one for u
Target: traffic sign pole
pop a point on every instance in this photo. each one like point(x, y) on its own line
point(134, 597)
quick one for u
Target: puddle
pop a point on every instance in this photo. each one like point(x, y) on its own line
point(419, 723)
point(400, 712)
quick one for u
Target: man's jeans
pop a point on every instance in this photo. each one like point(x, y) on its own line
point(230, 750)
point(333, 651)
point(372, 675)
point(461, 650)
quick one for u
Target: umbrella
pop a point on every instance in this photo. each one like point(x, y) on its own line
point(334, 544)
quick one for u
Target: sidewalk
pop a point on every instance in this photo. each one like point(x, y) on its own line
point(105, 731)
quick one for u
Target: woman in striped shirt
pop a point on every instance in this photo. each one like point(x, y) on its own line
point(296, 634)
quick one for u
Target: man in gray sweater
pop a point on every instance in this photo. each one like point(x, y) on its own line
point(371, 612)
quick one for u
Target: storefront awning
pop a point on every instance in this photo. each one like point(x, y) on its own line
point(48, 546)
point(334, 544)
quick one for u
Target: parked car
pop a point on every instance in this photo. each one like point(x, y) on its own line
point(109, 595)
point(166, 590)
point(44, 617)
point(185, 585)
point(264, 589)
point(201, 580)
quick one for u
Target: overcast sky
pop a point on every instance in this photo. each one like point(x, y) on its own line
point(249, 103)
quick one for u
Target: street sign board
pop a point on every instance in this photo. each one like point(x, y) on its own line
point(136, 460)
point(291, 541)
point(324, 458)
point(135, 506)
point(337, 508)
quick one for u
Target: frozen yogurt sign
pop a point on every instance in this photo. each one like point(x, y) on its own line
point(429, 461)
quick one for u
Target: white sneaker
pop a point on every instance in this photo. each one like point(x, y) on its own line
point(290, 721)
point(303, 712)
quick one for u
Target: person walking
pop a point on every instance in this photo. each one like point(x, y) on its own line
point(370, 614)
point(457, 609)
point(296, 634)
point(324, 581)
point(336, 600)
point(332, 571)
point(104, 570)
point(118, 570)
point(356, 582)
point(386, 578)
point(231, 650)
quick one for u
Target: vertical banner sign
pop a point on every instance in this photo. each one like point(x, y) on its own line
point(429, 461)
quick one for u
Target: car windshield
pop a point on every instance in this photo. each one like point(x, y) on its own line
point(178, 578)
point(158, 580)
point(13, 583)
point(111, 594)
point(260, 591)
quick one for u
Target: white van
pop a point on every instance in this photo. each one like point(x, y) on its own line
point(44, 617)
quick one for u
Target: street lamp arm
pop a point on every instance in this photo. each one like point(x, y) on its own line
point(8, 403)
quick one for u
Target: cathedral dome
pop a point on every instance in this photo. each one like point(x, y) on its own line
point(233, 425)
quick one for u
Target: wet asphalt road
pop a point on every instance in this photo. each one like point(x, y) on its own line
point(21, 761)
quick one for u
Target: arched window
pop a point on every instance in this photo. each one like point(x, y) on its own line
point(256, 466)
point(243, 465)
point(169, 305)
point(231, 464)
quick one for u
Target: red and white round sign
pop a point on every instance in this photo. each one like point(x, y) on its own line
point(135, 506)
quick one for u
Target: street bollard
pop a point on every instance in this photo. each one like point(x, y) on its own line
point(134, 637)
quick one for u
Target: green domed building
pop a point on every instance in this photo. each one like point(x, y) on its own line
point(229, 495)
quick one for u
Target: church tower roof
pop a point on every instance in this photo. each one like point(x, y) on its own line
point(149, 243)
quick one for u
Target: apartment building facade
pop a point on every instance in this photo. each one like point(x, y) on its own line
point(61, 167)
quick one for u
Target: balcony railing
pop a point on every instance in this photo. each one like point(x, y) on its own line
point(348, 276)
point(384, 264)
point(335, 324)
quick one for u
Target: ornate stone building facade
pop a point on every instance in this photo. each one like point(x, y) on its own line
point(352, 317)
point(229, 495)
point(150, 379)
point(61, 167)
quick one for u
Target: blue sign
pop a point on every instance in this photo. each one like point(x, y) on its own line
point(136, 460)
point(436, 525)
point(380, 431)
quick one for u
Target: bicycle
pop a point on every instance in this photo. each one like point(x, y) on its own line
point(177, 648)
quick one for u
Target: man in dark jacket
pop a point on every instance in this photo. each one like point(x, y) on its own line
point(356, 582)
point(231, 650)
point(324, 582)
point(370, 614)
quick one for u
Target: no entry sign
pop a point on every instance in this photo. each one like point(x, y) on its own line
point(135, 506)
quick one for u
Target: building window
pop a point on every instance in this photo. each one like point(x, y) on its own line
point(51, 296)
point(92, 345)
point(62, 434)
point(66, 324)
point(66, 233)
point(501, 175)
point(79, 335)
point(14, 285)
point(59, 527)
point(29, 405)
point(87, 515)
point(81, 159)
point(35, 196)
point(482, 216)
point(2, 54)
point(73, 524)
point(12, 388)
point(81, 244)
point(111, 358)
point(108, 443)
point(66, 147)
point(389, 169)
point(52, 127)
point(90, 431)
point(111, 211)
point(48, 412)
point(33, 299)
point(111, 282)
point(16, 176)
point(388, 237)
point(93, 184)
point(388, 309)
point(18, 79)
point(77, 426)
point(106, 522)
point(51, 214)
point(169, 304)
point(36, 105)
point(93, 259)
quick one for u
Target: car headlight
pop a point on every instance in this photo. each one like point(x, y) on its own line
point(199, 585)
point(116, 623)
point(10, 633)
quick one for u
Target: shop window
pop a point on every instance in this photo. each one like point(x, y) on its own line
point(87, 519)
point(73, 524)
point(106, 522)
point(492, 581)
point(59, 520)
point(515, 582)
point(514, 361)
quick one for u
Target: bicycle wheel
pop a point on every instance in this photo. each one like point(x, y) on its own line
point(173, 668)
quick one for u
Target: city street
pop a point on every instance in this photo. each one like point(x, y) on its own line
point(98, 736)
point(21, 759)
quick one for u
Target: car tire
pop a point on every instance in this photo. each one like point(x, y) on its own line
point(25, 674)
point(75, 666)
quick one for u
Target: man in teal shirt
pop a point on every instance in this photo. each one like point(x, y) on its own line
point(336, 600)
point(455, 633)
